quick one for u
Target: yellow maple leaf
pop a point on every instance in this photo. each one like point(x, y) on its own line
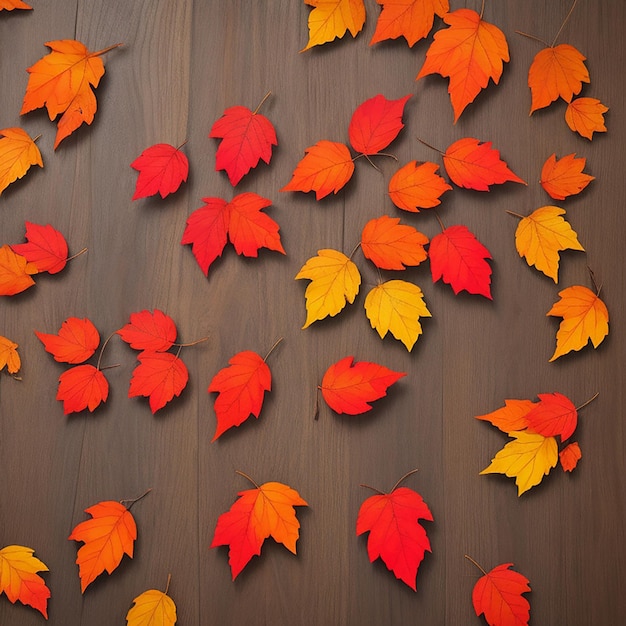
point(17, 153)
point(528, 458)
point(541, 235)
point(396, 306)
point(9, 355)
point(585, 318)
point(152, 608)
point(332, 18)
point(335, 280)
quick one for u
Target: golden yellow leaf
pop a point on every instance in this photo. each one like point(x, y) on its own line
point(334, 278)
point(332, 18)
point(396, 306)
point(9, 355)
point(17, 153)
point(152, 608)
point(528, 458)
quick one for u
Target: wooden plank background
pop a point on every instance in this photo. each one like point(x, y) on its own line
point(182, 63)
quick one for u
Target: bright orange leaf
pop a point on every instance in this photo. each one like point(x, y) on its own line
point(17, 153)
point(469, 53)
point(15, 272)
point(19, 579)
point(330, 19)
point(564, 177)
point(149, 330)
point(241, 388)
point(586, 116)
point(510, 417)
point(9, 5)
point(414, 187)
point(107, 536)
point(75, 342)
point(162, 169)
point(411, 19)
point(9, 357)
point(46, 248)
point(152, 608)
point(62, 81)
point(267, 511)
point(554, 415)
point(82, 387)
point(569, 456)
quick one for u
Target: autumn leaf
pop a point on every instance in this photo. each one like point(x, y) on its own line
point(585, 318)
point(335, 280)
point(241, 389)
point(107, 536)
point(9, 357)
point(474, 165)
point(9, 5)
point(159, 377)
point(15, 272)
point(19, 579)
point(376, 123)
point(46, 248)
point(330, 19)
point(510, 417)
point(82, 387)
point(17, 153)
point(396, 306)
point(569, 456)
point(564, 177)
point(414, 187)
point(469, 53)
point(459, 259)
point(586, 116)
point(349, 387)
point(149, 330)
point(391, 245)
point(326, 168)
point(540, 237)
point(556, 72)
point(62, 81)
point(162, 169)
point(554, 415)
point(528, 458)
point(152, 608)
point(75, 342)
point(411, 19)
point(240, 220)
point(266, 511)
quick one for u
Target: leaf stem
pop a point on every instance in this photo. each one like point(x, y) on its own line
point(413, 471)
point(372, 163)
point(167, 586)
point(133, 500)
point(248, 477)
point(37, 137)
point(182, 144)
point(316, 409)
point(584, 404)
point(471, 560)
point(593, 280)
point(105, 50)
point(387, 154)
point(482, 10)
point(193, 343)
point(543, 41)
point(378, 491)
point(429, 146)
point(104, 345)
point(564, 22)
point(70, 258)
point(441, 224)
point(272, 348)
point(358, 245)
point(521, 217)
point(265, 97)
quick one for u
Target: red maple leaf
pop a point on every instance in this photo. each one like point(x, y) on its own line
point(554, 414)
point(239, 220)
point(162, 168)
point(241, 388)
point(75, 342)
point(82, 387)
point(154, 331)
point(46, 248)
point(458, 258)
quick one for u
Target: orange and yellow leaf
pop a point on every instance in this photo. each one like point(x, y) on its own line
point(569, 456)
point(15, 272)
point(17, 153)
point(564, 177)
point(9, 357)
point(152, 608)
point(585, 116)
point(414, 187)
point(510, 417)
point(330, 19)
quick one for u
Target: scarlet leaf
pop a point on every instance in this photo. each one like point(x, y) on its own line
point(586, 116)
point(326, 167)
point(17, 153)
point(19, 579)
point(349, 387)
point(564, 177)
point(159, 376)
point(553, 415)
point(394, 532)
point(459, 259)
point(414, 187)
point(152, 608)
point(241, 388)
point(9, 357)
point(107, 536)
point(15, 272)
point(46, 248)
point(476, 165)
point(162, 168)
point(149, 330)
point(510, 417)
point(9, 5)
point(376, 123)
point(332, 18)
point(569, 456)
point(75, 342)
point(247, 137)
point(82, 387)
point(267, 511)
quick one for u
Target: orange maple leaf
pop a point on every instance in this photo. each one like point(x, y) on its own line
point(510, 417)
point(569, 456)
point(15, 272)
point(586, 116)
point(75, 342)
point(564, 177)
point(414, 187)
point(82, 387)
point(9, 5)
point(554, 414)
point(62, 81)
point(332, 18)
point(266, 511)
point(17, 153)
point(469, 53)
point(9, 356)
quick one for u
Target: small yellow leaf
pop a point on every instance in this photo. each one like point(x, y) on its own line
point(528, 458)
point(332, 18)
point(152, 608)
point(397, 306)
point(9, 355)
point(17, 153)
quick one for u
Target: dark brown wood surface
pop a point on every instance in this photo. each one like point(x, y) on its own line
point(181, 65)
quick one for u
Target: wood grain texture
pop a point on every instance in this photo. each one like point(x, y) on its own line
point(181, 64)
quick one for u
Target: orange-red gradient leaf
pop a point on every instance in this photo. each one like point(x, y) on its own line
point(9, 356)
point(330, 19)
point(325, 168)
point(498, 596)
point(469, 53)
point(553, 415)
point(247, 137)
point(241, 388)
point(585, 116)
point(9, 5)
point(17, 153)
point(476, 165)
point(564, 177)
point(349, 387)
point(19, 579)
point(510, 417)
point(82, 387)
point(376, 123)
point(159, 377)
point(556, 72)
point(267, 511)
point(569, 456)
point(411, 19)
point(75, 342)
point(15, 272)
point(162, 169)
point(391, 245)
point(107, 536)
point(460, 260)
point(149, 330)
point(394, 532)
point(46, 248)
point(414, 187)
